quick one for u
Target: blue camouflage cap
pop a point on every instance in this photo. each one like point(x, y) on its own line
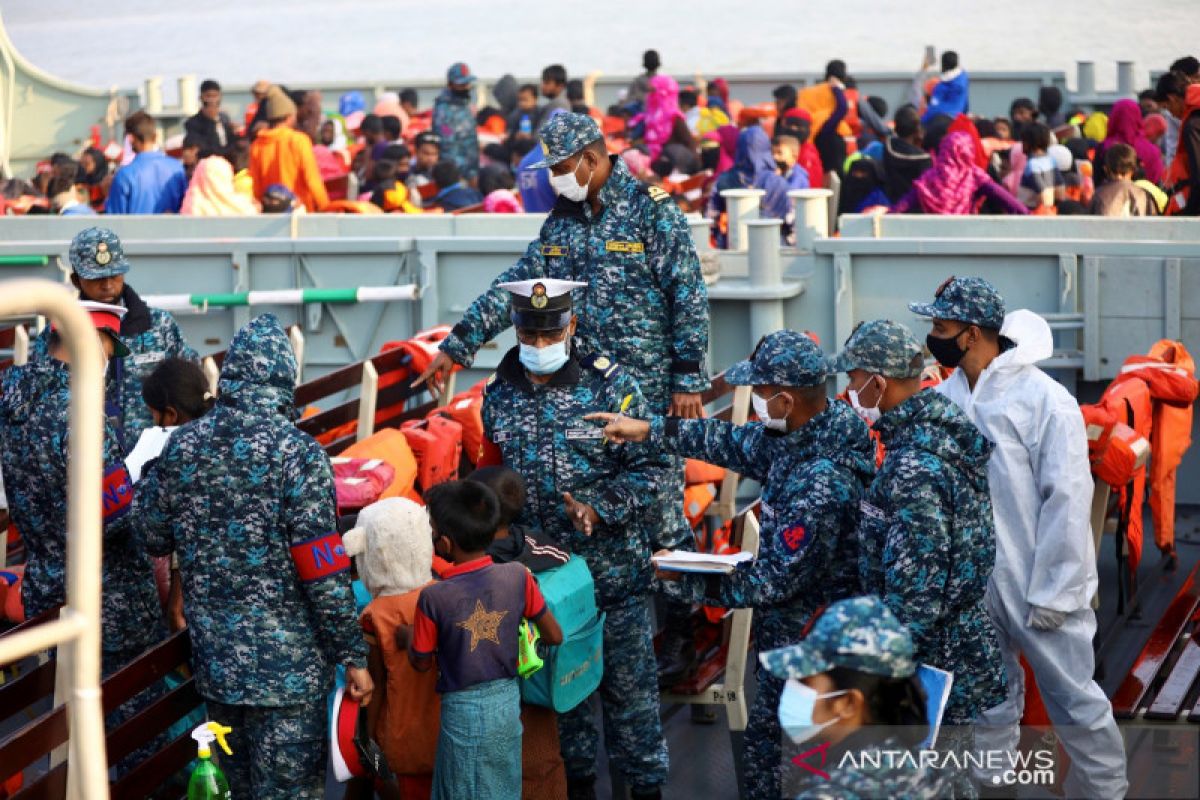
point(459, 75)
point(782, 358)
point(860, 633)
point(881, 347)
point(97, 253)
point(970, 300)
point(563, 136)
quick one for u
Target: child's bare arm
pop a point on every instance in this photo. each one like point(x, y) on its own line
point(419, 662)
point(549, 628)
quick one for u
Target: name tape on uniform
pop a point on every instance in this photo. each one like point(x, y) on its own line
point(555, 250)
point(625, 247)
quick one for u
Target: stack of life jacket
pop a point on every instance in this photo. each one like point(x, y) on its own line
point(1153, 395)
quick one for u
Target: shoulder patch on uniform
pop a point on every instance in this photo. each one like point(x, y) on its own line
point(601, 364)
point(624, 247)
point(488, 383)
point(657, 193)
point(320, 557)
point(555, 250)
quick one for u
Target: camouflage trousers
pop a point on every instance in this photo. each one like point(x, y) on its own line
point(762, 753)
point(628, 692)
point(278, 752)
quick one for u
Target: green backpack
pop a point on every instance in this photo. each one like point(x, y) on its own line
point(572, 670)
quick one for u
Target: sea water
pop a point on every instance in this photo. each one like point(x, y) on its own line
point(122, 42)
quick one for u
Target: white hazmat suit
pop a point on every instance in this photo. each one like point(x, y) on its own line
point(1041, 488)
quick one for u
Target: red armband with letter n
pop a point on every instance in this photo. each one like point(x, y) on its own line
point(116, 493)
point(320, 557)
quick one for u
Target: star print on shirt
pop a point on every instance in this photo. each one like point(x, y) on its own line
point(483, 625)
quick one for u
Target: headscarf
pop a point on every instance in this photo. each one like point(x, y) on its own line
point(637, 162)
point(502, 201)
point(1154, 126)
point(727, 137)
point(211, 192)
point(754, 168)
point(351, 102)
point(810, 157)
point(662, 109)
point(1125, 127)
point(1096, 127)
point(949, 186)
point(963, 124)
point(721, 86)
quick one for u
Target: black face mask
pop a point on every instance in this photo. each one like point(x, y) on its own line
point(462, 94)
point(946, 351)
point(783, 167)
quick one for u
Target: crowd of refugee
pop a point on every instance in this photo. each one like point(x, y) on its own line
point(930, 155)
point(959, 537)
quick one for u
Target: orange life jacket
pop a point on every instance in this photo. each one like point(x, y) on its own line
point(1174, 392)
point(1115, 450)
point(1178, 182)
point(389, 445)
point(1129, 402)
point(436, 441)
point(466, 408)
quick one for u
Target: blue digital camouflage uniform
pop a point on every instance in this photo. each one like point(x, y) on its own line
point(541, 433)
point(812, 479)
point(246, 501)
point(34, 440)
point(151, 335)
point(645, 306)
point(863, 635)
point(926, 537)
point(454, 121)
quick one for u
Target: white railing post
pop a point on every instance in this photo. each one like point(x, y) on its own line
point(20, 346)
point(741, 206)
point(189, 100)
point(154, 101)
point(296, 337)
point(368, 396)
point(76, 632)
point(766, 272)
point(812, 215)
point(1085, 77)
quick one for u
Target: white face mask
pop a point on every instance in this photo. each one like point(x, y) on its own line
point(544, 360)
point(760, 411)
point(796, 705)
point(869, 415)
point(566, 186)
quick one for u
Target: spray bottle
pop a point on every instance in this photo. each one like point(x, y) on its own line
point(207, 781)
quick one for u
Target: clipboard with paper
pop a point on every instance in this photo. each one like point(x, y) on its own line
point(936, 683)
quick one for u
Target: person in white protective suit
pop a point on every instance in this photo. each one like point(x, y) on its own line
point(1039, 597)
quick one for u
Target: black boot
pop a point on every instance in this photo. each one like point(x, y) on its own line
point(646, 794)
point(581, 788)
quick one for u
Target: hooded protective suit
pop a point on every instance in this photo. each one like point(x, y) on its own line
point(1041, 489)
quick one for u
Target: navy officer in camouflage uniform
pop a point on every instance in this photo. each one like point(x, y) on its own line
point(927, 541)
point(98, 267)
point(246, 501)
point(853, 698)
point(454, 121)
point(599, 501)
point(814, 458)
point(645, 304)
point(34, 437)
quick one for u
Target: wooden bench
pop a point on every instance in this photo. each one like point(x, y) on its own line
point(373, 408)
point(46, 731)
point(1167, 669)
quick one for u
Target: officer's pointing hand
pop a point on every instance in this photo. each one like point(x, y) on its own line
point(436, 374)
point(582, 516)
point(620, 428)
point(359, 684)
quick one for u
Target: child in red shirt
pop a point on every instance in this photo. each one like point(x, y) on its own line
point(470, 620)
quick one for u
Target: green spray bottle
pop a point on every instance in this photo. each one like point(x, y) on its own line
point(207, 781)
